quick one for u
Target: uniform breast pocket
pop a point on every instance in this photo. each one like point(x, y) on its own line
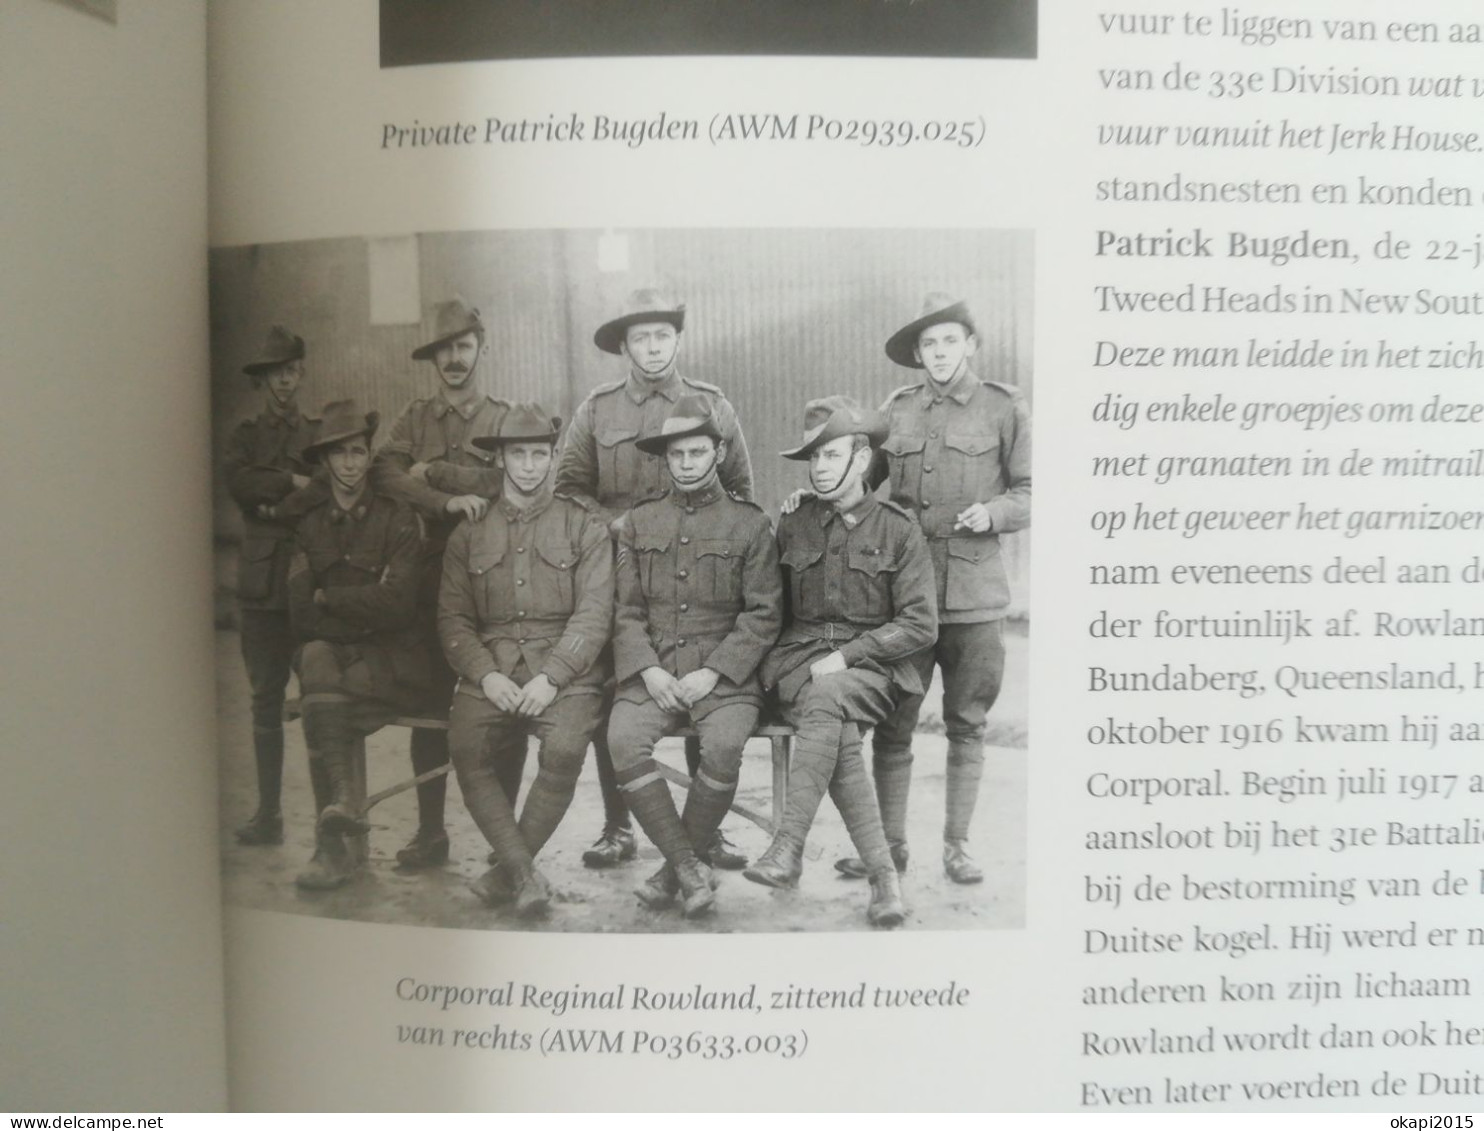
point(719, 563)
point(973, 461)
point(618, 462)
point(904, 459)
point(656, 565)
point(868, 581)
point(806, 588)
point(491, 583)
point(552, 579)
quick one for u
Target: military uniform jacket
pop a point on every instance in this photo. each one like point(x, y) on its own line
point(262, 457)
point(860, 583)
point(366, 561)
point(532, 586)
point(948, 449)
point(698, 586)
point(432, 431)
point(601, 462)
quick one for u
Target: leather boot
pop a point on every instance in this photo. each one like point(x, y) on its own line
point(886, 908)
point(781, 865)
point(493, 888)
point(816, 751)
point(958, 865)
point(854, 868)
point(329, 867)
point(696, 886)
point(532, 893)
point(660, 890)
point(615, 846)
point(261, 828)
point(428, 848)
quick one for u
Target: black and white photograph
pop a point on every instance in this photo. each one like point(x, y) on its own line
point(661, 580)
point(454, 31)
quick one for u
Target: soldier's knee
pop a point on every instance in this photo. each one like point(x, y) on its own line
point(820, 700)
point(966, 750)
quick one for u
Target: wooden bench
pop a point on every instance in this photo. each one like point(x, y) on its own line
point(778, 737)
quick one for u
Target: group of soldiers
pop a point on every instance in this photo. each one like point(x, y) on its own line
point(621, 586)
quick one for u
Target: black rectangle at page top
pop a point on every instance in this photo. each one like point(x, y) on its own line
point(451, 31)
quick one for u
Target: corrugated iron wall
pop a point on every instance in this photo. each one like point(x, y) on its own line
point(774, 317)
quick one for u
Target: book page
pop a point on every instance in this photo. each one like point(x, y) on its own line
point(1161, 235)
point(112, 927)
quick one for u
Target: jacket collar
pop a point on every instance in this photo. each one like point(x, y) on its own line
point(961, 388)
point(640, 389)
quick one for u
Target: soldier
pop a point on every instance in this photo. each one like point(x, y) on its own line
point(524, 612)
point(265, 464)
point(362, 658)
point(430, 460)
point(699, 603)
point(959, 457)
point(601, 464)
point(860, 589)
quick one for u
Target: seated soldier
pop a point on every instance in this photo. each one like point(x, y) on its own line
point(859, 585)
point(352, 600)
point(525, 609)
point(698, 605)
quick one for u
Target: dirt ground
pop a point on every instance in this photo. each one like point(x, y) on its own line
point(589, 900)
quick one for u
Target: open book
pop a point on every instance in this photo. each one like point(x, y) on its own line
point(1204, 840)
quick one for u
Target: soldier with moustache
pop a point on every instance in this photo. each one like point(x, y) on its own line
point(859, 587)
point(524, 612)
point(265, 465)
point(958, 455)
point(362, 657)
point(601, 462)
point(699, 603)
point(430, 446)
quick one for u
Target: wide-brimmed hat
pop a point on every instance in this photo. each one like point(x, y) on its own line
point(646, 305)
point(938, 307)
point(525, 423)
point(832, 417)
point(279, 347)
point(691, 416)
point(341, 420)
point(451, 319)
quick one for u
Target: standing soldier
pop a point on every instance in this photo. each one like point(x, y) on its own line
point(959, 456)
point(353, 597)
point(524, 612)
point(699, 603)
point(265, 464)
point(860, 589)
point(601, 463)
point(430, 447)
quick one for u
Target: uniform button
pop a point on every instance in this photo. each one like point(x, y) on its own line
point(926, 504)
point(455, 447)
point(522, 640)
point(685, 541)
point(520, 615)
point(690, 510)
point(932, 435)
point(520, 581)
point(684, 608)
point(520, 549)
point(927, 470)
point(683, 574)
point(680, 643)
